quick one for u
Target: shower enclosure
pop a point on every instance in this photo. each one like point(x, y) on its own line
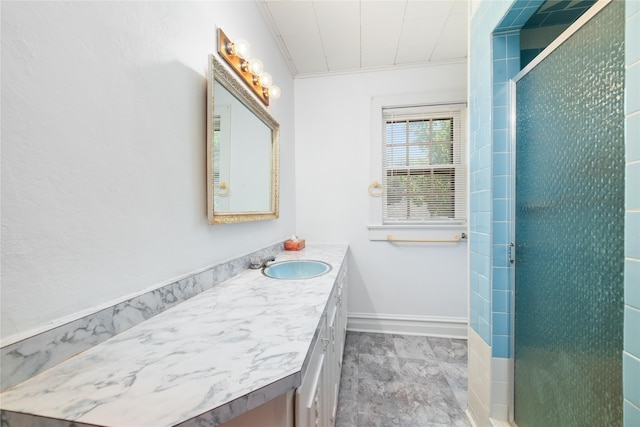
point(569, 229)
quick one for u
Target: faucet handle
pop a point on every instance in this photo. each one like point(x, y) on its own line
point(256, 262)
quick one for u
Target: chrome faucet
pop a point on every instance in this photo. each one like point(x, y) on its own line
point(257, 264)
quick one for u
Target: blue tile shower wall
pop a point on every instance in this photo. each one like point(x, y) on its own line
point(631, 356)
point(505, 64)
point(480, 134)
point(494, 59)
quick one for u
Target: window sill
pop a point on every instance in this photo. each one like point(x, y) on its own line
point(445, 231)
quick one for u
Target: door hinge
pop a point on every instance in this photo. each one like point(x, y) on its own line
point(511, 253)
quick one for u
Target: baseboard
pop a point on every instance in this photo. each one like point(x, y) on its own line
point(434, 326)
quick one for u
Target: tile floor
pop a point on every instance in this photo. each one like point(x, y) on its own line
point(398, 380)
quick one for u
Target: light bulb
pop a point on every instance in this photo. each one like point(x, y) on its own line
point(266, 80)
point(274, 92)
point(231, 48)
point(256, 67)
point(242, 48)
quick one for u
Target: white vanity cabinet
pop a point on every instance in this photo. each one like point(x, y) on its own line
point(317, 397)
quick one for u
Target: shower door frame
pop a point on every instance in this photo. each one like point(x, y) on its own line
point(564, 36)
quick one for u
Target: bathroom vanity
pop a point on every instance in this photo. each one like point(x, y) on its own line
point(250, 348)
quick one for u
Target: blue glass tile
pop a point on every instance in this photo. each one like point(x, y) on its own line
point(474, 244)
point(513, 67)
point(484, 222)
point(484, 160)
point(472, 138)
point(476, 266)
point(500, 93)
point(474, 283)
point(632, 283)
point(513, 45)
point(509, 19)
point(484, 201)
point(485, 313)
point(501, 323)
point(501, 164)
point(501, 142)
point(483, 178)
point(632, 197)
point(474, 121)
point(522, 18)
point(472, 181)
point(632, 39)
point(501, 279)
point(631, 369)
point(485, 292)
point(499, 70)
point(500, 118)
point(501, 233)
point(484, 245)
point(499, 47)
point(500, 256)
point(501, 346)
point(473, 201)
point(632, 138)
point(632, 99)
point(632, 330)
point(486, 272)
point(631, 232)
point(501, 209)
point(479, 267)
point(485, 132)
point(500, 187)
point(500, 302)
point(631, 412)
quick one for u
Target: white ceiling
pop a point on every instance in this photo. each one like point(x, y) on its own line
point(325, 36)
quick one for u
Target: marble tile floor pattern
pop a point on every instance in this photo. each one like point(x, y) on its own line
point(400, 380)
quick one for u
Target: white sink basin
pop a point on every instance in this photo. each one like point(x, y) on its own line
point(301, 269)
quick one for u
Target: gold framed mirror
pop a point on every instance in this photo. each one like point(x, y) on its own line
point(243, 158)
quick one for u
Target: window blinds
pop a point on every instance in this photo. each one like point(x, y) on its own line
point(424, 170)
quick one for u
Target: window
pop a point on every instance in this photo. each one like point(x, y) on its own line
point(423, 168)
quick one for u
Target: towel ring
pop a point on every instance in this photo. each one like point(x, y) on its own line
point(375, 185)
point(225, 190)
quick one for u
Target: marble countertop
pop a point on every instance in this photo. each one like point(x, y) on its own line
point(200, 363)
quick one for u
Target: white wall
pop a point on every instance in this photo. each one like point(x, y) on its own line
point(333, 126)
point(103, 151)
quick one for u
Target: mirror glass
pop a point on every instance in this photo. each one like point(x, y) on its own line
point(242, 152)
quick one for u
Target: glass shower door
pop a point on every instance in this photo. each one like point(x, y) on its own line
point(569, 217)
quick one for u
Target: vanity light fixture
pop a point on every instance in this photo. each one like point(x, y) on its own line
point(251, 71)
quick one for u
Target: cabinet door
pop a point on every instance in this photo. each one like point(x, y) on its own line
point(332, 369)
point(310, 396)
point(275, 413)
point(341, 321)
